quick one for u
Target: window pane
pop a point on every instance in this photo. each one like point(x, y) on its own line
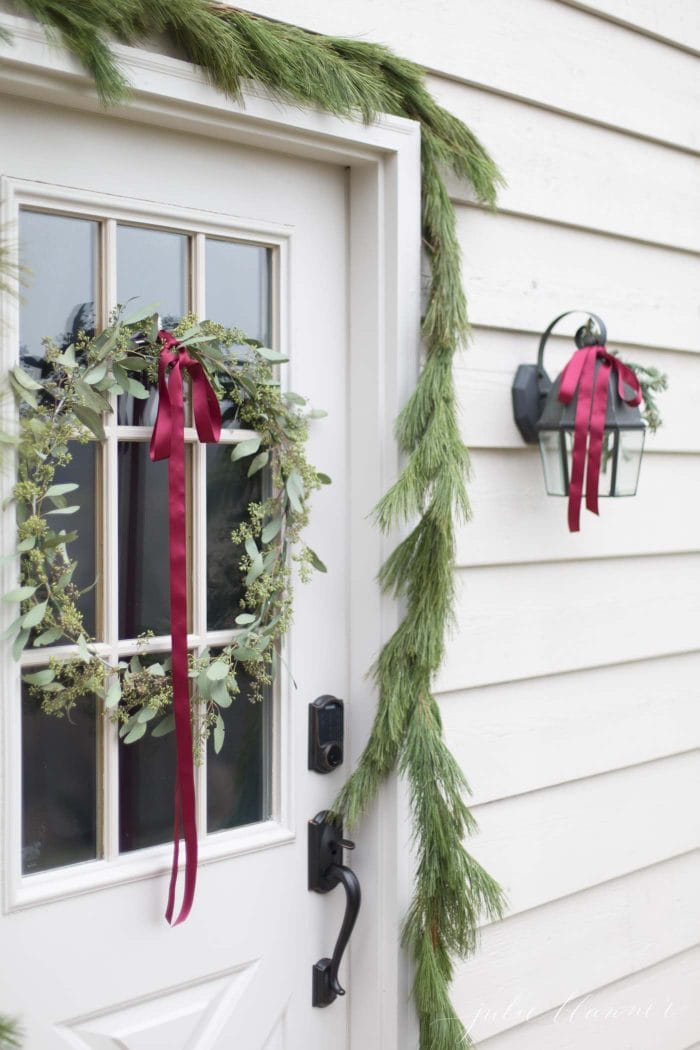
point(60, 256)
point(238, 287)
point(146, 785)
point(237, 777)
point(229, 491)
point(152, 269)
point(144, 572)
point(59, 786)
point(82, 470)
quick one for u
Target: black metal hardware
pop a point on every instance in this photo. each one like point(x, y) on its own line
point(326, 732)
point(326, 871)
point(532, 384)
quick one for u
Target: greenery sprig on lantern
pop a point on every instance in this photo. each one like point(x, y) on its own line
point(67, 405)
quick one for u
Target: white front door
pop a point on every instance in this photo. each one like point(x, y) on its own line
point(110, 210)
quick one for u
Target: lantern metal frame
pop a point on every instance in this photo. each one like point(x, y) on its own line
point(538, 411)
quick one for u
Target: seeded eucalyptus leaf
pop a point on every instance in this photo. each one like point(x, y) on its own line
point(146, 714)
point(245, 618)
point(251, 548)
point(20, 642)
point(95, 375)
point(274, 356)
point(258, 463)
point(61, 490)
point(256, 569)
point(90, 419)
point(271, 529)
point(136, 733)
point(316, 561)
point(165, 726)
point(35, 615)
point(134, 362)
point(294, 399)
point(139, 313)
point(24, 379)
point(22, 393)
point(156, 670)
point(323, 478)
point(219, 734)
point(40, 677)
point(318, 413)
point(26, 545)
point(20, 594)
point(137, 389)
point(245, 448)
point(62, 510)
point(83, 649)
point(217, 671)
point(48, 637)
point(114, 695)
point(220, 694)
point(246, 653)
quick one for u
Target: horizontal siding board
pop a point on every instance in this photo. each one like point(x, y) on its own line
point(515, 521)
point(525, 621)
point(568, 171)
point(520, 273)
point(548, 53)
point(580, 943)
point(548, 844)
point(484, 376)
point(656, 1009)
point(677, 21)
point(525, 736)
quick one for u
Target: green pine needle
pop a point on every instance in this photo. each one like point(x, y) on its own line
point(354, 78)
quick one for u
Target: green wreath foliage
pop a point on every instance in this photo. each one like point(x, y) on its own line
point(356, 78)
point(67, 405)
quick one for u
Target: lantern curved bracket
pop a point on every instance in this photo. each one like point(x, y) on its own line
point(532, 384)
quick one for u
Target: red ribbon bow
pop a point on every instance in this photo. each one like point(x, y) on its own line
point(590, 387)
point(168, 442)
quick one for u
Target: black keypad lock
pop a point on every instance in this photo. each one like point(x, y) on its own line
point(326, 734)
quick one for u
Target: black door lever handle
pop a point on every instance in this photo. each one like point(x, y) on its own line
point(326, 870)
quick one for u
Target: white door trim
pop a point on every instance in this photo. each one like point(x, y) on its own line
point(384, 310)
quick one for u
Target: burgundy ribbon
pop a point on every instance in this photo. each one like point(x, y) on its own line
point(168, 442)
point(590, 387)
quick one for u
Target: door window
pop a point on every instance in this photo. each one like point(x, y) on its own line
point(85, 794)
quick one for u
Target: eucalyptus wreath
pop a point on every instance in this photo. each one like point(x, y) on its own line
point(67, 405)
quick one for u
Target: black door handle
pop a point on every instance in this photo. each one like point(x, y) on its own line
point(326, 871)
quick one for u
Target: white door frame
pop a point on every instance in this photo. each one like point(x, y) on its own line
point(384, 310)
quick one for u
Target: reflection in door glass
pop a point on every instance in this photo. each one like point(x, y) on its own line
point(152, 270)
point(229, 491)
point(237, 777)
point(238, 287)
point(144, 571)
point(59, 254)
point(59, 786)
point(146, 778)
point(82, 470)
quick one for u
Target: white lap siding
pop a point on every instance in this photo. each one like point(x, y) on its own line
point(570, 690)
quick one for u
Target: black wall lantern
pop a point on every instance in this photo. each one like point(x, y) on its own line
point(587, 422)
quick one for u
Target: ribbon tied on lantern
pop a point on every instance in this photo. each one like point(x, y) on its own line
point(587, 377)
point(168, 442)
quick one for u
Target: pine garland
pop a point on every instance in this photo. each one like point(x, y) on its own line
point(350, 78)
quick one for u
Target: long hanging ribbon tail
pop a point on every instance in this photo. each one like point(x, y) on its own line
point(590, 387)
point(168, 442)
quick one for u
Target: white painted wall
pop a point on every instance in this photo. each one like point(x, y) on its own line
point(570, 692)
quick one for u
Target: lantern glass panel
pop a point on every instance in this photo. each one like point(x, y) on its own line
point(553, 452)
point(629, 460)
point(607, 463)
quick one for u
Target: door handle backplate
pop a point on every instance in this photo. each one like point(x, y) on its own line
point(326, 871)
